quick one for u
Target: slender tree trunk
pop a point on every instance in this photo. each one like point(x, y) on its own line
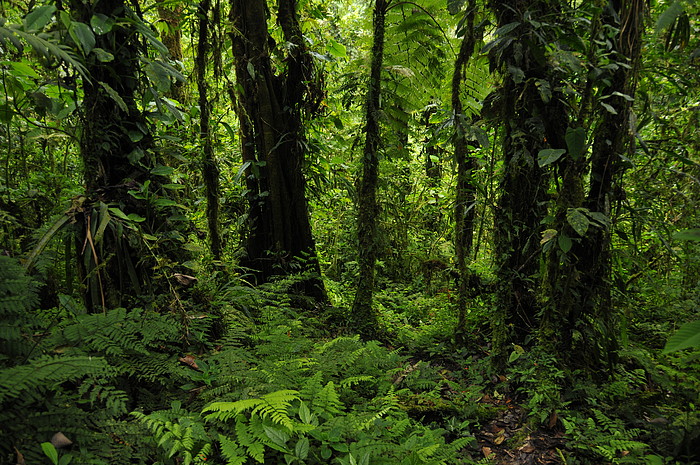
point(270, 109)
point(363, 315)
point(466, 190)
point(210, 168)
point(171, 14)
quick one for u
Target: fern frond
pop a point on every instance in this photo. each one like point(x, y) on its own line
point(49, 372)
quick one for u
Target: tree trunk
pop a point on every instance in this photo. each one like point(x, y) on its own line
point(171, 15)
point(614, 136)
point(466, 190)
point(210, 169)
point(364, 317)
point(114, 145)
point(270, 107)
point(530, 125)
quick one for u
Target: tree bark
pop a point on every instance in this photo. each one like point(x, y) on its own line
point(210, 168)
point(466, 189)
point(364, 318)
point(613, 138)
point(530, 125)
point(270, 108)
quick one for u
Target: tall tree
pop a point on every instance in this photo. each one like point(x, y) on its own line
point(363, 315)
point(534, 119)
point(465, 197)
point(613, 138)
point(115, 147)
point(210, 168)
point(271, 109)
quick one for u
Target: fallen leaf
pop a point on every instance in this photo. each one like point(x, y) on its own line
point(20, 458)
point(486, 451)
point(553, 419)
point(189, 361)
point(184, 279)
point(527, 448)
point(60, 440)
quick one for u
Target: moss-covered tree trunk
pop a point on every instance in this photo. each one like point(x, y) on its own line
point(613, 138)
point(364, 317)
point(170, 13)
point(210, 168)
point(532, 121)
point(270, 108)
point(466, 164)
point(115, 147)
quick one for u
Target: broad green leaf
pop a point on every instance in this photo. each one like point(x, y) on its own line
point(548, 156)
point(668, 16)
point(564, 243)
point(135, 155)
point(50, 451)
point(548, 235)
point(103, 55)
point(337, 50)
point(158, 75)
point(161, 170)
point(136, 218)
point(687, 336)
point(504, 30)
point(305, 413)
point(114, 96)
point(82, 35)
point(166, 203)
point(575, 142)
point(600, 218)
point(22, 69)
point(545, 90)
point(101, 24)
point(578, 220)
point(38, 18)
point(687, 235)
point(609, 108)
point(302, 448)
point(118, 213)
point(276, 435)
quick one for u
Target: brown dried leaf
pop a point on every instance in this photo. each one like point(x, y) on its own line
point(527, 448)
point(60, 440)
point(189, 361)
point(184, 279)
point(486, 451)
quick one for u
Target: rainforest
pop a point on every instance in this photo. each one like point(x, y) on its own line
point(351, 232)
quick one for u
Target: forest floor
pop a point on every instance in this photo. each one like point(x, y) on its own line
point(508, 439)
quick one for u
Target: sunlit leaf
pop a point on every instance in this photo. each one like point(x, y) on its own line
point(548, 235)
point(82, 35)
point(101, 23)
point(38, 18)
point(337, 50)
point(686, 337)
point(687, 235)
